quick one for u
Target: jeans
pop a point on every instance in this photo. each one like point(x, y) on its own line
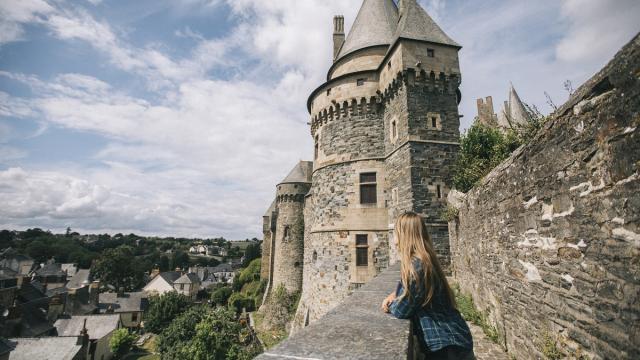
point(451, 353)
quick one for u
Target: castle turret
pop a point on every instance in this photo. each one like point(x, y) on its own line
point(386, 132)
point(288, 246)
point(268, 232)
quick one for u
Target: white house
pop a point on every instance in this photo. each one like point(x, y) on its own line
point(188, 285)
point(163, 283)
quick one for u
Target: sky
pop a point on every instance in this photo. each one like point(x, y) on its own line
point(179, 117)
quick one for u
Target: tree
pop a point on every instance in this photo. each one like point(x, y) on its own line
point(171, 340)
point(239, 302)
point(163, 309)
point(164, 263)
point(253, 251)
point(121, 342)
point(221, 296)
point(250, 273)
point(220, 336)
point(117, 267)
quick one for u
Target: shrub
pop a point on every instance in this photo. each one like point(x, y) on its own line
point(163, 309)
point(121, 342)
point(179, 332)
point(239, 301)
point(221, 296)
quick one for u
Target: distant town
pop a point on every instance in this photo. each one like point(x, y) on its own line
point(76, 296)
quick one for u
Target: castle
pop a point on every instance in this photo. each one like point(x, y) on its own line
point(385, 126)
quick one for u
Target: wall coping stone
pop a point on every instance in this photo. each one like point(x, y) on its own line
point(355, 329)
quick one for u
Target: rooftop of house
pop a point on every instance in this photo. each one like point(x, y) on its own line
point(170, 276)
point(59, 348)
point(127, 302)
point(189, 278)
point(98, 326)
point(81, 279)
point(70, 269)
point(7, 274)
point(51, 270)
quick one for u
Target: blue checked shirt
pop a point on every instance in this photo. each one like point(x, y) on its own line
point(441, 324)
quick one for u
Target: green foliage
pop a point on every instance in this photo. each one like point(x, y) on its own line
point(179, 332)
point(163, 309)
point(550, 346)
point(252, 252)
point(250, 273)
point(470, 313)
point(221, 296)
point(449, 214)
point(239, 301)
point(481, 149)
point(115, 267)
point(216, 335)
point(121, 342)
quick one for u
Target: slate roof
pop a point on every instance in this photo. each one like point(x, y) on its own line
point(45, 348)
point(189, 278)
point(129, 302)
point(416, 24)
point(51, 270)
point(301, 173)
point(30, 292)
point(7, 274)
point(170, 276)
point(374, 25)
point(71, 269)
point(226, 267)
point(98, 326)
point(81, 279)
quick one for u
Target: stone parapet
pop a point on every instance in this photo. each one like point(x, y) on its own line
point(355, 329)
point(548, 243)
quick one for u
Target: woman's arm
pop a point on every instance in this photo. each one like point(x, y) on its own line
point(406, 307)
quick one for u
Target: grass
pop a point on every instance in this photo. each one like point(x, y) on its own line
point(470, 313)
point(550, 347)
point(269, 338)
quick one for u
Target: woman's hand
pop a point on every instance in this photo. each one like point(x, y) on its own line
point(387, 301)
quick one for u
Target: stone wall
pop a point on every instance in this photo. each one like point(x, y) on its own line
point(549, 242)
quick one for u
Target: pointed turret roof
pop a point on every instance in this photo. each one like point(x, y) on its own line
point(375, 25)
point(301, 173)
point(513, 112)
point(416, 24)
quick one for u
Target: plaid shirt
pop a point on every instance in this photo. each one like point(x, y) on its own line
point(441, 324)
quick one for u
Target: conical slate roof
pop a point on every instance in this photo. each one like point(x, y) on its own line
point(270, 210)
point(513, 112)
point(416, 24)
point(375, 25)
point(301, 173)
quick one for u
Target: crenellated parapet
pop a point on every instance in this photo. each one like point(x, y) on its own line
point(288, 198)
point(352, 107)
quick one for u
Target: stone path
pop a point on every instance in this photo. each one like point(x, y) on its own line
point(484, 348)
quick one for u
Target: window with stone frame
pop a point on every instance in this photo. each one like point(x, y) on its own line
point(134, 317)
point(286, 233)
point(431, 53)
point(394, 130)
point(433, 121)
point(368, 188)
point(362, 250)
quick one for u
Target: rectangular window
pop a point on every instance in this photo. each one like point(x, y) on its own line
point(431, 53)
point(316, 148)
point(394, 130)
point(287, 230)
point(434, 122)
point(362, 250)
point(328, 91)
point(134, 317)
point(439, 191)
point(368, 188)
point(360, 82)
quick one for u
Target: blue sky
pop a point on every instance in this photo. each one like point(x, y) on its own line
point(178, 118)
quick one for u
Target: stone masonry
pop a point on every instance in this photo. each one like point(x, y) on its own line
point(549, 243)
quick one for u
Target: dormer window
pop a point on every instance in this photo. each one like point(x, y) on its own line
point(360, 82)
point(431, 53)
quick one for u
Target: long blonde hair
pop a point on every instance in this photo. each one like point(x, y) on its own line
point(414, 242)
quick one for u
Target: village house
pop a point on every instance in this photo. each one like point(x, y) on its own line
point(22, 264)
point(186, 284)
point(99, 329)
point(58, 348)
point(130, 307)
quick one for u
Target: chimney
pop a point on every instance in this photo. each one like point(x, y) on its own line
point(338, 35)
point(94, 293)
point(83, 339)
point(120, 292)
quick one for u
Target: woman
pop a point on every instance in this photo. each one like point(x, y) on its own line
point(424, 295)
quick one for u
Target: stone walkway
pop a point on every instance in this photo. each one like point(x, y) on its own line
point(484, 348)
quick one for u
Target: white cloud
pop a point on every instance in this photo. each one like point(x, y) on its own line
point(13, 14)
point(597, 28)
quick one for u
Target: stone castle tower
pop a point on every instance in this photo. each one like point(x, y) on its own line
point(386, 130)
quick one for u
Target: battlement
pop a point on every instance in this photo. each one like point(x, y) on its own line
point(298, 198)
point(438, 84)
